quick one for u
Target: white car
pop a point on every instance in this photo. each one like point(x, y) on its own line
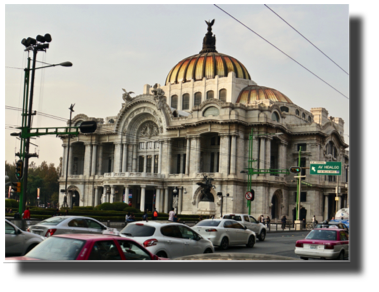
point(225, 232)
point(18, 242)
point(167, 239)
point(250, 222)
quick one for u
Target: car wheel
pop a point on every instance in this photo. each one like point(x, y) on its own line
point(224, 243)
point(30, 248)
point(303, 258)
point(251, 241)
point(208, 250)
point(262, 236)
point(341, 256)
point(162, 254)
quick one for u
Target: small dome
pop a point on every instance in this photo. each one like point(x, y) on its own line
point(255, 92)
point(207, 65)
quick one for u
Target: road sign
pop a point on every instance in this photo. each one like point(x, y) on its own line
point(248, 195)
point(325, 168)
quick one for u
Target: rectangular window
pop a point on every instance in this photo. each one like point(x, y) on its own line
point(213, 141)
point(141, 145)
point(218, 162)
point(303, 147)
point(156, 163)
point(140, 163)
point(178, 163)
point(303, 196)
point(148, 164)
point(184, 163)
point(212, 162)
point(150, 145)
point(156, 145)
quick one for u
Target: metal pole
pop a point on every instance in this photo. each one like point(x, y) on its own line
point(71, 108)
point(298, 189)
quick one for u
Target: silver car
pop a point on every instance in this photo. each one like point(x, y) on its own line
point(18, 242)
point(67, 224)
point(167, 239)
point(225, 232)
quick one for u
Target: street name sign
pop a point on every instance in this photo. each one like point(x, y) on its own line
point(325, 167)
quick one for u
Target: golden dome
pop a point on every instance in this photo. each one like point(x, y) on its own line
point(255, 92)
point(207, 65)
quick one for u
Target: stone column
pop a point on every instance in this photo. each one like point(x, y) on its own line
point(70, 161)
point(100, 171)
point(268, 154)
point(87, 159)
point(262, 156)
point(166, 200)
point(180, 200)
point(326, 207)
point(160, 157)
point(144, 163)
point(169, 154)
point(224, 154)
point(188, 155)
point(282, 157)
point(126, 194)
point(142, 201)
point(255, 154)
point(96, 200)
point(124, 157)
point(112, 195)
point(134, 165)
point(93, 162)
point(233, 157)
point(117, 157)
point(157, 199)
point(198, 154)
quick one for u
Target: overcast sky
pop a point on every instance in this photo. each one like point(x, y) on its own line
point(126, 46)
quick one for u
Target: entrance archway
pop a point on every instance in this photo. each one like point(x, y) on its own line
point(274, 207)
point(75, 199)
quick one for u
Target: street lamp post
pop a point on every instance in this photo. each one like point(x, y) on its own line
point(71, 108)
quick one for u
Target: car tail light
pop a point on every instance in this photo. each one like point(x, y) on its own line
point(211, 230)
point(299, 244)
point(329, 246)
point(50, 232)
point(28, 230)
point(139, 224)
point(150, 242)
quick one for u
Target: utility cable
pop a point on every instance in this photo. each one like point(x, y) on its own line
point(282, 51)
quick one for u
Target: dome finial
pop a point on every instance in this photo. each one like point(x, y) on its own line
point(209, 41)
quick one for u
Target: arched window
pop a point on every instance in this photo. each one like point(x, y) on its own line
point(222, 95)
point(297, 112)
point(78, 123)
point(174, 101)
point(284, 109)
point(197, 100)
point(303, 115)
point(111, 121)
point(210, 94)
point(185, 101)
point(331, 149)
point(275, 117)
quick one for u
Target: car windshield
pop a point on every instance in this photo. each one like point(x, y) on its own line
point(52, 221)
point(234, 217)
point(322, 235)
point(138, 230)
point(213, 223)
point(57, 249)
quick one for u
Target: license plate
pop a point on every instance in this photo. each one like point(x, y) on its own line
point(313, 247)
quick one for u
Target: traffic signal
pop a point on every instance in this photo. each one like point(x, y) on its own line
point(16, 187)
point(253, 195)
point(19, 169)
point(88, 127)
point(295, 169)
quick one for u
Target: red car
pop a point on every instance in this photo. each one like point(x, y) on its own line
point(324, 243)
point(84, 247)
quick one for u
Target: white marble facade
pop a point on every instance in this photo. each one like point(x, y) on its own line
point(151, 147)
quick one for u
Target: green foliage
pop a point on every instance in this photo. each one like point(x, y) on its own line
point(83, 208)
point(117, 206)
point(131, 210)
point(11, 203)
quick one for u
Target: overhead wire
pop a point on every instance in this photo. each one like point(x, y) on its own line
point(282, 52)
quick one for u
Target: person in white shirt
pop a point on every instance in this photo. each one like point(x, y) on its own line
point(171, 215)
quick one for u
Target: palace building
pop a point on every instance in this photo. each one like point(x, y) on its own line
point(161, 143)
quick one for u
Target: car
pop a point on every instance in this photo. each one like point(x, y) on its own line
point(250, 222)
point(225, 232)
point(18, 242)
point(324, 243)
point(166, 238)
point(68, 224)
point(333, 224)
point(82, 247)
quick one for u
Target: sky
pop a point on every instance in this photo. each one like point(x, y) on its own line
point(127, 46)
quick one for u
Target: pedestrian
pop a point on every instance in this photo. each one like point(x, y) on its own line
point(155, 214)
point(171, 215)
point(200, 218)
point(284, 221)
point(26, 214)
point(304, 223)
point(131, 218)
point(176, 219)
point(130, 203)
point(144, 216)
point(127, 216)
point(314, 221)
point(268, 220)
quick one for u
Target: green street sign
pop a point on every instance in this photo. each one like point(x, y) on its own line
point(325, 168)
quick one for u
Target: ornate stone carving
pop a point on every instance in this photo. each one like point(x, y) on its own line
point(149, 129)
point(126, 96)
